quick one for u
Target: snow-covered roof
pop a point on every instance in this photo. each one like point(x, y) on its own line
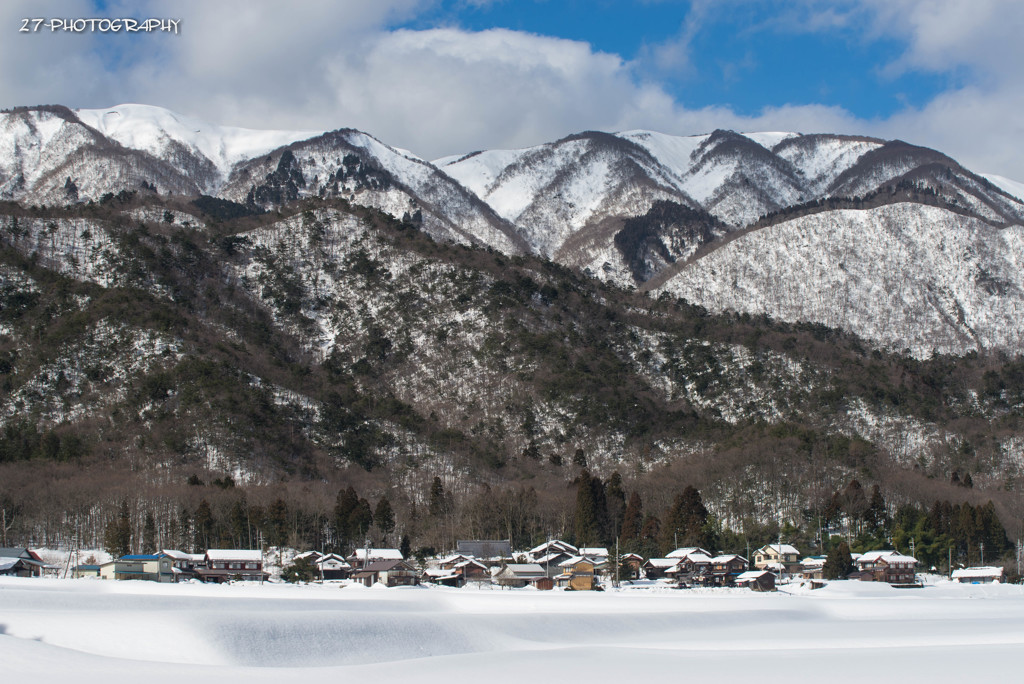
point(662, 562)
point(751, 575)
point(782, 549)
point(8, 563)
point(247, 555)
point(872, 556)
point(984, 571)
point(554, 543)
point(175, 554)
point(727, 557)
point(687, 550)
point(592, 551)
point(551, 557)
point(525, 569)
point(696, 557)
point(581, 559)
point(813, 562)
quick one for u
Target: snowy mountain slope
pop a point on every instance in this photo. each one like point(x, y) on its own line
point(48, 156)
point(555, 192)
point(901, 275)
point(820, 159)
point(169, 135)
point(358, 167)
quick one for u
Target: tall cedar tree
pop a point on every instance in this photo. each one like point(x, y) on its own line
point(591, 519)
point(876, 516)
point(149, 540)
point(118, 536)
point(616, 500)
point(684, 524)
point(438, 498)
point(838, 563)
point(632, 519)
point(384, 516)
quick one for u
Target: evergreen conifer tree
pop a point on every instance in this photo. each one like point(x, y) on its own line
point(838, 563)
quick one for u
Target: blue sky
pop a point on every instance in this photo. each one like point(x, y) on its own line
point(748, 56)
point(450, 76)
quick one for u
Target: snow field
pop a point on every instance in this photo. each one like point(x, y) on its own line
point(97, 631)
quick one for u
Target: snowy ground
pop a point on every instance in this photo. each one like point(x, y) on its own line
point(93, 631)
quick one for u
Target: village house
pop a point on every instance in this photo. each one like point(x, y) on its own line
point(581, 576)
point(779, 558)
point(519, 574)
point(148, 567)
point(980, 575)
point(21, 562)
point(690, 567)
point(658, 568)
point(186, 563)
point(886, 566)
point(813, 567)
point(85, 570)
point(551, 553)
point(724, 570)
point(223, 565)
point(361, 557)
point(391, 573)
point(329, 566)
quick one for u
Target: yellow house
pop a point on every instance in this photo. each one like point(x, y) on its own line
point(778, 557)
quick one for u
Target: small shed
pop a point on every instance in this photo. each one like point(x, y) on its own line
point(757, 580)
point(980, 575)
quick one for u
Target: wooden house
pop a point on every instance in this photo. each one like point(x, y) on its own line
point(223, 565)
point(519, 574)
point(690, 567)
point(582, 577)
point(724, 570)
point(551, 553)
point(657, 568)
point(757, 580)
point(887, 566)
point(390, 573)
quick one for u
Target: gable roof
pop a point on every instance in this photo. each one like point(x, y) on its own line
point(687, 550)
point(377, 554)
point(780, 549)
point(246, 555)
point(523, 570)
point(553, 544)
point(662, 562)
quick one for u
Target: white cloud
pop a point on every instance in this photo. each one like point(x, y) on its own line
point(324, 65)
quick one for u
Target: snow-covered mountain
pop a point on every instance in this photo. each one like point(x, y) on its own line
point(638, 208)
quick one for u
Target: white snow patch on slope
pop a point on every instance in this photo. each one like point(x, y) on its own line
point(1012, 187)
point(152, 129)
